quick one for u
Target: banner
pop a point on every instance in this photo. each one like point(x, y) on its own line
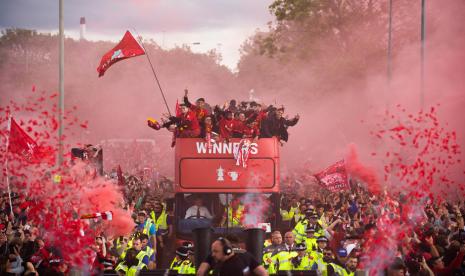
point(128, 47)
point(334, 178)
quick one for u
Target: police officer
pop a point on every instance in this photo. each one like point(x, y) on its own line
point(187, 266)
point(301, 227)
point(302, 261)
point(313, 222)
point(181, 255)
point(317, 254)
point(270, 253)
point(131, 265)
point(177, 258)
point(322, 243)
point(310, 241)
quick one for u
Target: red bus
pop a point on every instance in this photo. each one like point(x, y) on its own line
point(212, 176)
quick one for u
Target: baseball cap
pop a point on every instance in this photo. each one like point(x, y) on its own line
point(350, 247)
point(342, 252)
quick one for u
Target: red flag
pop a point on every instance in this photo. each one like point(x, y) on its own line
point(20, 143)
point(128, 47)
point(334, 178)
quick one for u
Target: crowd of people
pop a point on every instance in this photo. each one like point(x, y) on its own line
point(324, 232)
point(248, 120)
point(22, 250)
point(312, 229)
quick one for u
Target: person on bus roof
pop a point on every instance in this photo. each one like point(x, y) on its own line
point(275, 125)
point(200, 107)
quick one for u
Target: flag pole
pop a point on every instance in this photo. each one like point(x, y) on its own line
point(61, 84)
point(6, 164)
point(422, 55)
point(139, 38)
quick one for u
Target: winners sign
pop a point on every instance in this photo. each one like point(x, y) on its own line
point(203, 168)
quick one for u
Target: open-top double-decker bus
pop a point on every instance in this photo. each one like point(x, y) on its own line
point(236, 196)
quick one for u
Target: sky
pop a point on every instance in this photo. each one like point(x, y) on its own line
point(202, 24)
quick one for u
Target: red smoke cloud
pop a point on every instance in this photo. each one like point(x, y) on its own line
point(54, 205)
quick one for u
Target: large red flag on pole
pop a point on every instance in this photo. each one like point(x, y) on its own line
point(20, 142)
point(128, 47)
point(334, 178)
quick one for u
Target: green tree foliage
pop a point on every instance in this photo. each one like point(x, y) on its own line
point(335, 42)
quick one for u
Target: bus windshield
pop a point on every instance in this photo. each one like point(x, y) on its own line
point(224, 212)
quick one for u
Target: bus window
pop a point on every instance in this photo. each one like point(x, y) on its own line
point(194, 211)
point(246, 210)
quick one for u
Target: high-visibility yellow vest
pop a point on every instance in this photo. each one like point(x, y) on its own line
point(323, 221)
point(345, 273)
point(270, 259)
point(129, 245)
point(298, 216)
point(284, 260)
point(149, 251)
point(305, 264)
point(147, 225)
point(319, 232)
point(134, 270)
point(140, 256)
point(322, 266)
point(311, 244)
point(315, 255)
point(121, 267)
point(288, 215)
point(299, 231)
point(236, 220)
point(175, 264)
point(160, 222)
point(339, 270)
point(301, 228)
point(186, 267)
point(267, 243)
